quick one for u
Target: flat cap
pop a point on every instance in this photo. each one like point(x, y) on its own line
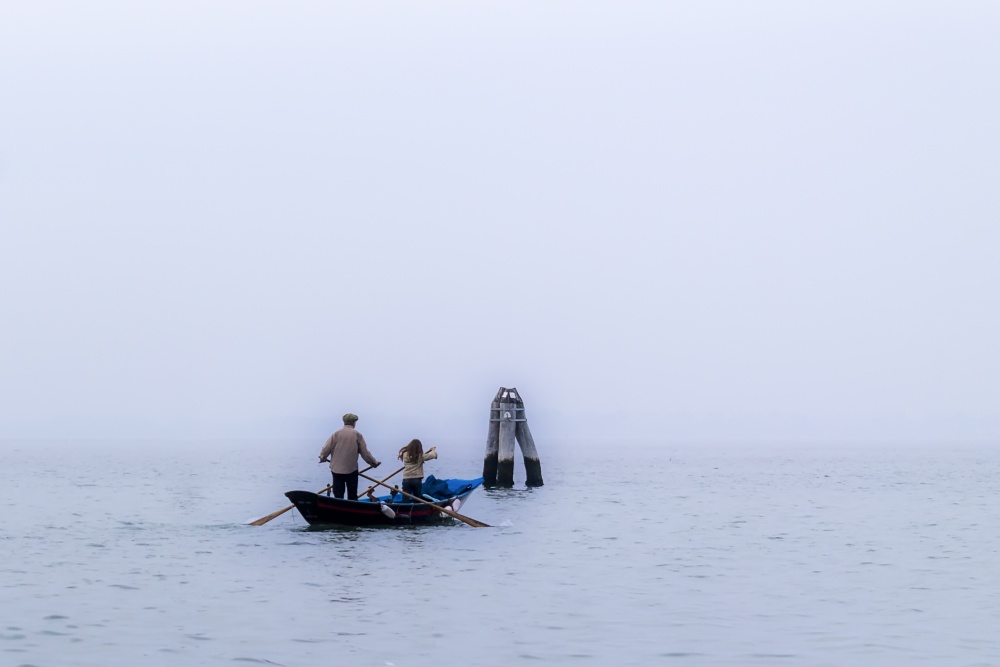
point(350, 418)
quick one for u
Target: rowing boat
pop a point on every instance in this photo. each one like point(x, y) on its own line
point(387, 510)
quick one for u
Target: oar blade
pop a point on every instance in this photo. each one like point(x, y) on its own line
point(469, 520)
point(273, 515)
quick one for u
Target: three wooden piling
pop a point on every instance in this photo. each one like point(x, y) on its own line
point(508, 424)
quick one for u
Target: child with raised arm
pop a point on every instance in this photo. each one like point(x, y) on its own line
point(413, 457)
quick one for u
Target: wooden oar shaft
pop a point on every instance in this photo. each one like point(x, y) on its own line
point(468, 520)
point(382, 481)
point(274, 515)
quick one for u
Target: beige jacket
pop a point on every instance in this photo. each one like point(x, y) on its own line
point(414, 469)
point(342, 449)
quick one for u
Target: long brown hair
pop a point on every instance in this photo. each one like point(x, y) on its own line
point(412, 451)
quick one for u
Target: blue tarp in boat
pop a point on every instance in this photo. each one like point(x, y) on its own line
point(441, 489)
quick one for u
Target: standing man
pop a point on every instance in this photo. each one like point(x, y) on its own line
point(341, 450)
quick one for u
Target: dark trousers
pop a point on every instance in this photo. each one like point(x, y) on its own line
point(412, 485)
point(350, 481)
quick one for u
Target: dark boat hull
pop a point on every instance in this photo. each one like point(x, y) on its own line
point(318, 509)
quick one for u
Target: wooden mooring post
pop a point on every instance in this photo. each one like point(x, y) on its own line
point(507, 424)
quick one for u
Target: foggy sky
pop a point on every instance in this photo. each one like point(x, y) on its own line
point(677, 220)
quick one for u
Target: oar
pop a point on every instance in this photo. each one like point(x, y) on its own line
point(470, 521)
point(385, 479)
point(273, 515)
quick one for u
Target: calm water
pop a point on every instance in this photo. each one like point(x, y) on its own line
point(753, 555)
